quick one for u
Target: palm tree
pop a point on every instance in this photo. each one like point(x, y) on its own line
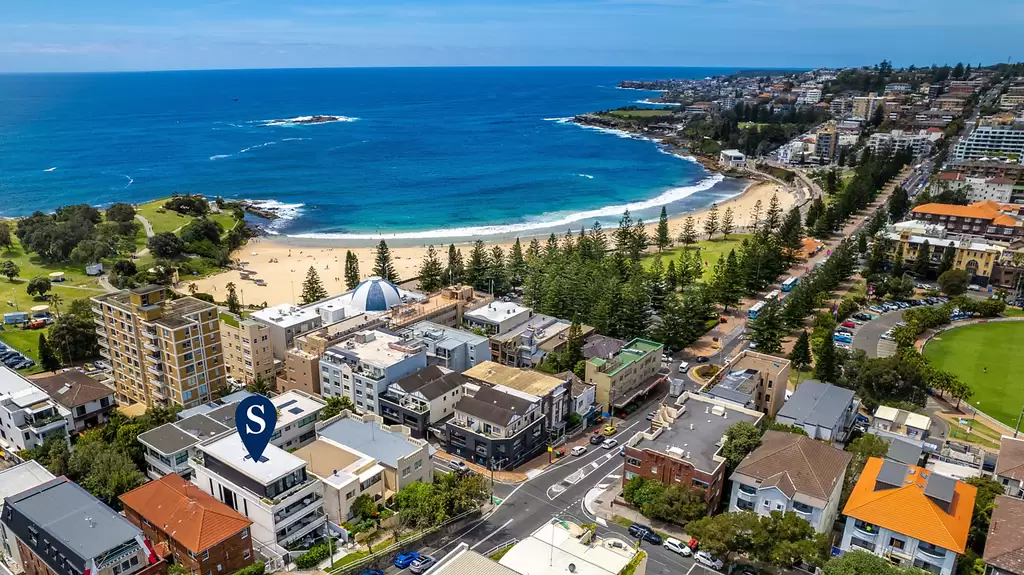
point(56, 301)
point(260, 386)
point(193, 288)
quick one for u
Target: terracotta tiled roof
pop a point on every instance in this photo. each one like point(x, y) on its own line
point(188, 515)
point(1001, 181)
point(796, 462)
point(1011, 458)
point(73, 388)
point(952, 177)
point(986, 210)
point(907, 510)
point(1004, 547)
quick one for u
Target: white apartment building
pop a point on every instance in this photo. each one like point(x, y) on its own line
point(28, 417)
point(454, 349)
point(15, 480)
point(988, 141)
point(893, 142)
point(285, 322)
point(362, 367)
point(496, 317)
point(996, 189)
point(284, 502)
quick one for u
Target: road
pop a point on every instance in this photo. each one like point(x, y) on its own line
point(866, 336)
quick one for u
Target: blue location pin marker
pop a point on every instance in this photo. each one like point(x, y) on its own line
point(255, 418)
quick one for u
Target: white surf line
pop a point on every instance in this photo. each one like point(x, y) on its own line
point(477, 544)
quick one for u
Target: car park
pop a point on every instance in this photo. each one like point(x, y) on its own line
point(677, 546)
point(845, 330)
point(849, 324)
point(405, 559)
point(422, 563)
point(842, 338)
point(708, 560)
point(579, 450)
point(876, 309)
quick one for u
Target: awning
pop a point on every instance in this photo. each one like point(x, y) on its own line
point(639, 391)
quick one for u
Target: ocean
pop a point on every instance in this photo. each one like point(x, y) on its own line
point(417, 152)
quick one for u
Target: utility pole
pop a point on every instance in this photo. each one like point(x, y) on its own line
point(1016, 429)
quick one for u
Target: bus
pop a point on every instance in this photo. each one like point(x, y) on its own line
point(755, 309)
point(790, 283)
point(773, 295)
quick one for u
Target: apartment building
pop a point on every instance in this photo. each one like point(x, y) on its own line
point(950, 103)
point(988, 168)
point(908, 515)
point(919, 144)
point(454, 349)
point(1000, 190)
point(28, 417)
point(864, 106)
point(753, 380)
point(933, 118)
point(987, 219)
point(825, 143)
point(363, 366)
point(89, 401)
point(555, 393)
point(163, 352)
point(358, 455)
point(202, 534)
point(527, 344)
point(627, 374)
point(1009, 470)
point(790, 472)
point(60, 529)
point(248, 352)
point(496, 317)
point(422, 399)
point(989, 141)
point(824, 411)
point(684, 444)
point(15, 480)
point(976, 256)
point(283, 501)
point(496, 428)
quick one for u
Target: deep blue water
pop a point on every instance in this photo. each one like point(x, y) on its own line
point(427, 148)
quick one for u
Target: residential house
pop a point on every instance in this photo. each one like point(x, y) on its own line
point(527, 344)
point(284, 502)
point(824, 411)
point(497, 317)
point(791, 472)
point(28, 417)
point(684, 445)
point(89, 401)
point(732, 159)
point(496, 427)
point(555, 393)
point(584, 396)
point(908, 515)
point(1004, 545)
point(60, 529)
point(15, 480)
point(361, 368)
point(753, 380)
point(1009, 470)
point(422, 399)
point(202, 534)
point(626, 375)
point(890, 421)
point(598, 345)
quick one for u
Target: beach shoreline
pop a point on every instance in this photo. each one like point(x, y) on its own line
point(283, 261)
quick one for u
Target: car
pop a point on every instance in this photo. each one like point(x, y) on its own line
point(677, 546)
point(975, 287)
point(371, 572)
point(609, 443)
point(683, 366)
point(703, 359)
point(845, 330)
point(666, 358)
point(596, 439)
point(609, 430)
point(843, 346)
point(622, 451)
point(842, 338)
point(579, 450)
point(708, 560)
point(876, 309)
point(849, 324)
point(641, 531)
point(406, 558)
point(458, 465)
point(422, 563)
point(650, 416)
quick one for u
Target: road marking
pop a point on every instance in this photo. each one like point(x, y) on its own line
point(477, 544)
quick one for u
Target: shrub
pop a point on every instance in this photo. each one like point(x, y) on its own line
point(257, 568)
point(314, 556)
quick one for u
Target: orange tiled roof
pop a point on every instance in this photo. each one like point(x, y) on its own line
point(188, 515)
point(907, 510)
point(986, 210)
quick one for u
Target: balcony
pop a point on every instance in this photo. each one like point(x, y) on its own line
point(748, 492)
point(148, 333)
point(41, 425)
point(103, 352)
point(154, 360)
point(103, 342)
point(289, 514)
point(101, 331)
point(151, 347)
point(98, 320)
point(97, 310)
point(932, 554)
point(155, 370)
point(301, 528)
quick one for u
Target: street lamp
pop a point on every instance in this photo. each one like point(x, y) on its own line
point(973, 415)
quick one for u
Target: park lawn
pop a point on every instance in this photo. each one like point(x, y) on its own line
point(710, 251)
point(31, 265)
point(640, 113)
point(967, 351)
point(168, 220)
point(1013, 312)
point(27, 342)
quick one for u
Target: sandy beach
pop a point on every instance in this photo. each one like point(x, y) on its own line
point(283, 262)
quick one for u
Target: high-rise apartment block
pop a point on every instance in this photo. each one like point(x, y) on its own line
point(248, 351)
point(163, 352)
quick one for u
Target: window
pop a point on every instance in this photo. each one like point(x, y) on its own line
point(633, 461)
point(418, 464)
point(406, 472)
point(245, 554)
point(897, 543)
point(802, 507)
point(205, 555)
point(245, 533)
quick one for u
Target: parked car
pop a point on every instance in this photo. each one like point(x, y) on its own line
point(845, 330)
point(849, 324)
point(641, 531)
point(609, 443)
point(596, 439)
point(708, 560)
point(622, 451)
point(703, 359)
point(458, 465)
point(371, 572)
point(422, 563)
point(975, 287)
point(677, 546)
point(610, 430)
point(650, 416)
point(405, 559)
point(579, 450)
point(876, 309)
point(842, 338)
point(683, 366)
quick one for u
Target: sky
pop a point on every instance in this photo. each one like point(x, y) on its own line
point(115, 35)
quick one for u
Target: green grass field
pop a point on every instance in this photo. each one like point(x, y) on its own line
point(968, 351)
point(710, 251)
point(31, 265)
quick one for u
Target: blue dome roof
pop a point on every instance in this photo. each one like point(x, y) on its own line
point(375, 294)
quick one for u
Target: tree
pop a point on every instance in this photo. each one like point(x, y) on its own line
point(863, 448)
point(946, 263)
point(726, 283)
point(233, 303)
point(984, 503)
point(741, 438)
point(312, 288)
point(899, 203)
point(454, 270)
point(5, 235)
point(364, 507)
point(9, 269)
point(73, 335)
point(382, 264)
point(517, 264)
point(727, 226)
point(800, 356)
point(125, 268)
point(336, 405)
point(862, 243)
point(476, 272)
point(351, 270)
point(38, 286)
point(826, 361)
point(431, 271)
point(711, 221)
point(120, 212)
point(953, 282)
point(572, 352)
point(864, 563)
point(773, 215)
point(688, 235)
point(165, 245)
point(47, 358)
point(768, 328)
point(662, 238)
